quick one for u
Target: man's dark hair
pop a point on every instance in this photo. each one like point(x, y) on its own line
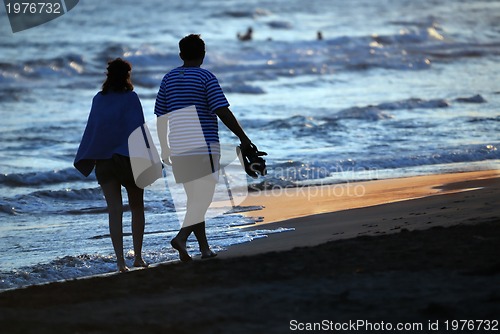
point(192, 47)
point(118, 77)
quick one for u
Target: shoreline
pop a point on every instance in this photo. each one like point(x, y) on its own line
point(337, 197)
point(415, 259)
point(435, 200)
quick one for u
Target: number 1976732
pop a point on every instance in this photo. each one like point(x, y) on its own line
point(33, 8)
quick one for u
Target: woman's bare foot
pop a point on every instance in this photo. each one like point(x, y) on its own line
point(181, 248)
point(123, 268)
point(139, 263)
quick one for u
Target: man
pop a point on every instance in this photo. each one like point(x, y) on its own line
point(188, 102)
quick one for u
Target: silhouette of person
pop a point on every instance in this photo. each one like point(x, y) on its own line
point(116, 112)
point(319, 36)
point(189, 103)
point(247, 36)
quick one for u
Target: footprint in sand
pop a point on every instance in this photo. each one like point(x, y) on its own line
point(417, 213)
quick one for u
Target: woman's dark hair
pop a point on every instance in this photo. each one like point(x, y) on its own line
point(118, 77)
point(192, 47)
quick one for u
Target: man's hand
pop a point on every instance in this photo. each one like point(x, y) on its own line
point(165, 157)
point(251, 160)
point(161, 126)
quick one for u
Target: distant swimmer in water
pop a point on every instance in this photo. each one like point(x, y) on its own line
point(247, 36)
point(319, 36)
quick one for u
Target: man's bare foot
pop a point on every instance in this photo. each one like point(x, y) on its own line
point(181, 248)
point(208, 254)
point(139, 263)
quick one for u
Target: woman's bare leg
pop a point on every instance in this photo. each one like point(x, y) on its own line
point(136, 203)
point(113, 195)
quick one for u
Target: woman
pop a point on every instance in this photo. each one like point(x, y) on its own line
point(116, 112)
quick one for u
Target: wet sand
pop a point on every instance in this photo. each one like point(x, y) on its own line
point(431, 257)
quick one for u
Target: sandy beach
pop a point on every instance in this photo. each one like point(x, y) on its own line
point(420, 251)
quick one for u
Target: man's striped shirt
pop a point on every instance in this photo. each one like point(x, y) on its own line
point(180, 90)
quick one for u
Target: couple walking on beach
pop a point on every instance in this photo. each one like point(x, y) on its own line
point(116, 112)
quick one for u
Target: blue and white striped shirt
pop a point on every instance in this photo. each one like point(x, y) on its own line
point(180, 90)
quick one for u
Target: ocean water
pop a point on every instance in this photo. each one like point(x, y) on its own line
point(395, 88)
